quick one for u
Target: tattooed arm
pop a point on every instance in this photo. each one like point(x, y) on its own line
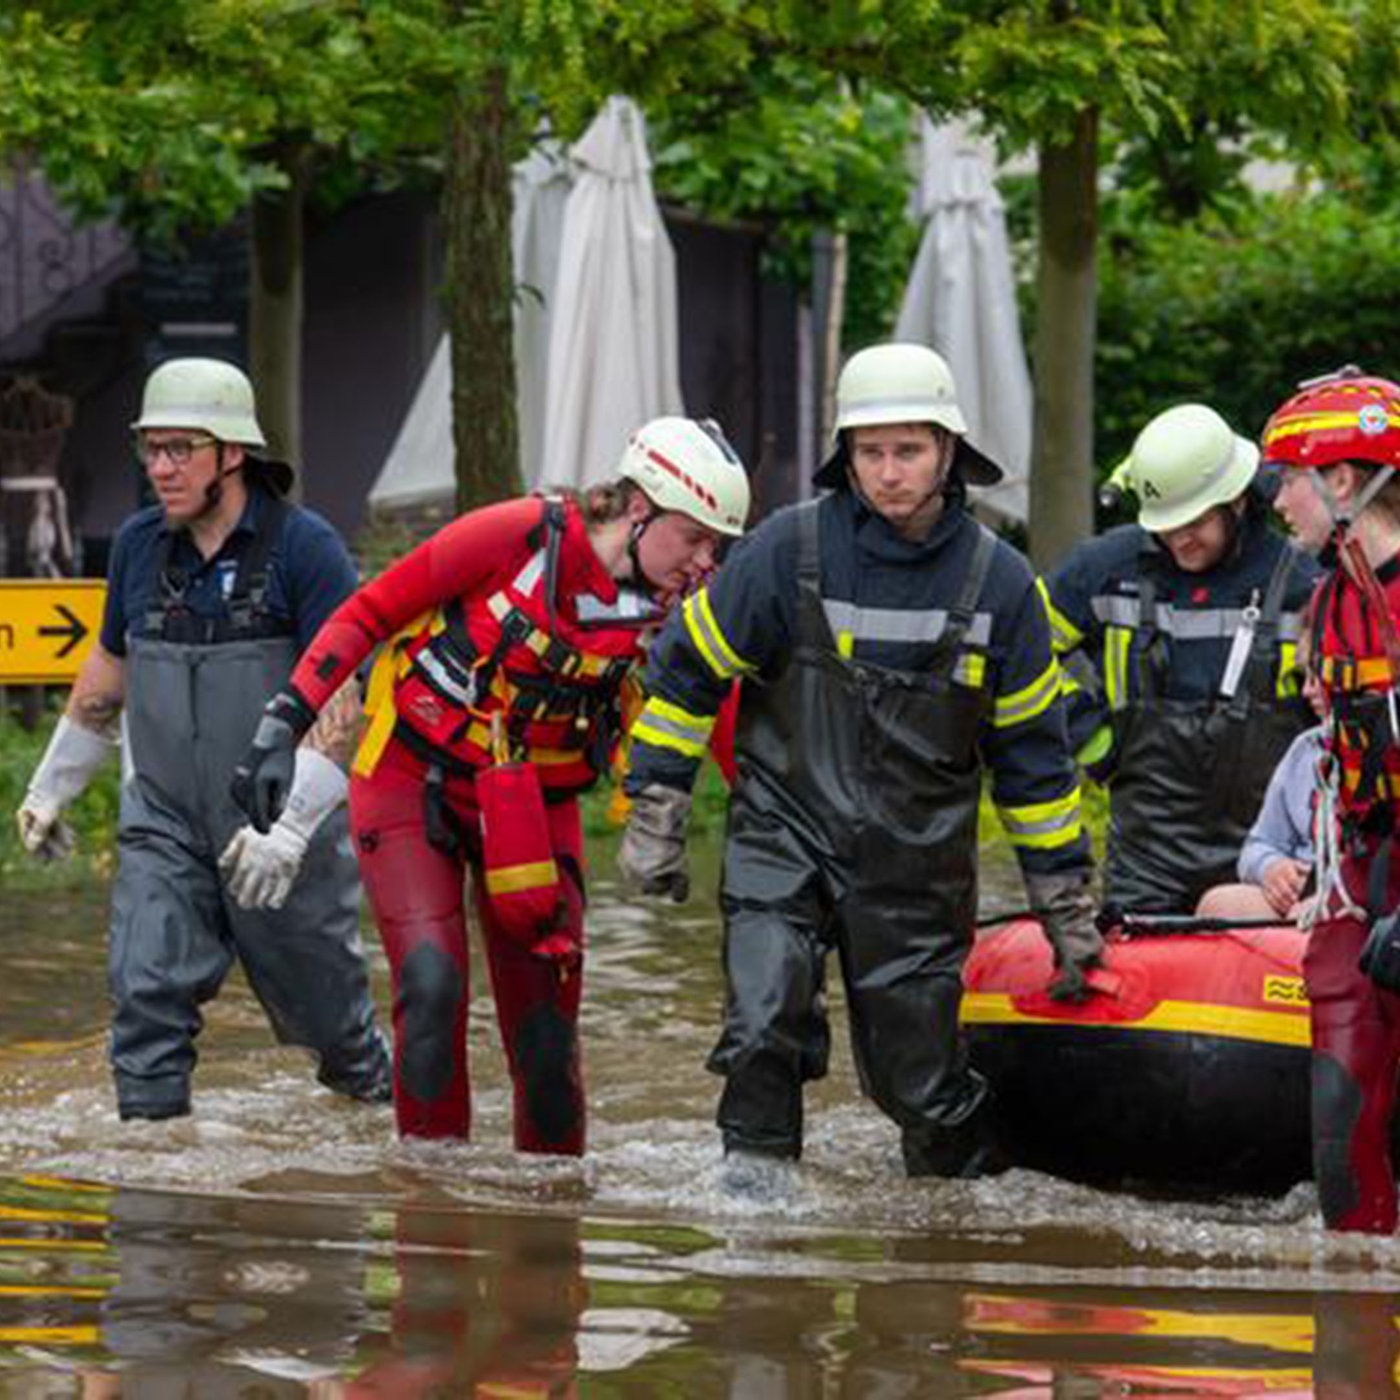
point(337, 728)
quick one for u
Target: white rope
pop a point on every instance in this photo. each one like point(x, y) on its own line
point(1327, 839)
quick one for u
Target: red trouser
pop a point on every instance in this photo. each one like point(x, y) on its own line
point(1356, 1049)
point(416, 892)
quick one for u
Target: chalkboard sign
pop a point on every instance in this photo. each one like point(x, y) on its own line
point(195, 297)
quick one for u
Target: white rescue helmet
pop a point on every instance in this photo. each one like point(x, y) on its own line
point(1185, 461)
point(687, 465)
point(212, 396)
point(902, 382)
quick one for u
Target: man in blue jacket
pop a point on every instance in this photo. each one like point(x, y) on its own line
point(211, 594)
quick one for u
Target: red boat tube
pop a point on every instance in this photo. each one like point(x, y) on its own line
point(1189, 1067)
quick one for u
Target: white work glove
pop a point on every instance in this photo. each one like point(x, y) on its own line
point(72, 758)
point(260, 869)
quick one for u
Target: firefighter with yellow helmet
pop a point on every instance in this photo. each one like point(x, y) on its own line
point(888, 647)
point(1179, 635)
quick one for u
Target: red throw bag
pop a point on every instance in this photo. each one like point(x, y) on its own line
point(522, 879)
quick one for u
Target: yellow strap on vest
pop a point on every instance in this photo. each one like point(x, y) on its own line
point(389, 665)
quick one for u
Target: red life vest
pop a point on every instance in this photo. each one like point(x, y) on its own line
point(553, 661)
point(1356, 675)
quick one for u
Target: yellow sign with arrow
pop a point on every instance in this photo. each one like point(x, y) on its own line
point(47, 627)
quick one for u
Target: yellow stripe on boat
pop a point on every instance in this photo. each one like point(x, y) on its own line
point(1191, 1017)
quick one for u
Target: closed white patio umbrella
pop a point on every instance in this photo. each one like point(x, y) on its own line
point(614, 358)
point(961, 301)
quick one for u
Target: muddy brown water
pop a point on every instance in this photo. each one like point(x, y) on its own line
point(281, 1242)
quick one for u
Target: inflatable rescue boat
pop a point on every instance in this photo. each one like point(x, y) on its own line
point(1188, 1067)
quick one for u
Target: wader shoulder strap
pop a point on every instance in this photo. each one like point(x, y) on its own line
point(248, 598)
point(167, 617)
point(962, 612)
point(1151, 645)
point(553, 521)
point(812, 630)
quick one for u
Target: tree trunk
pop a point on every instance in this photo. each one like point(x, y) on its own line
point(1062, 455)
point(276, 311)
point(480, 294)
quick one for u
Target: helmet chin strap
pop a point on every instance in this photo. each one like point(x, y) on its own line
point(1344, 514)
point(634, 543)
point(214, 492)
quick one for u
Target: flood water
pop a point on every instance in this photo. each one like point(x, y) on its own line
point(281, 1242)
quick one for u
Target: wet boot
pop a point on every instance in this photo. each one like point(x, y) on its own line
point(370, 1079)
point(760, 1177)
point(961, 1151)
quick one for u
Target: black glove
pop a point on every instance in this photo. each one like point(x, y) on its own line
point(263, 777)
point(1071, 981)
point(1065, 907)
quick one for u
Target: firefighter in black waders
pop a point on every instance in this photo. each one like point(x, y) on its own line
point(1178, 636)
point(505, 641)
point(888, 645)
point(1336, 444)
point(211, 593)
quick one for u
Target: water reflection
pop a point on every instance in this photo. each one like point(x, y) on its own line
point(284, 1243)
point(145, 1295)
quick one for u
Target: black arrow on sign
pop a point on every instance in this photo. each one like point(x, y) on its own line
point(75, 631)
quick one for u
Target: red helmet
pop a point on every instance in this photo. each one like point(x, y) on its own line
point(1347, 416)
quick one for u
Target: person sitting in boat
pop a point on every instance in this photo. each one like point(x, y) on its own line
point(1337, 445)
point(1276, 864)
point(1185, 626)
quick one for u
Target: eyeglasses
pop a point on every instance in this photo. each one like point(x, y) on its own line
point(178, 450)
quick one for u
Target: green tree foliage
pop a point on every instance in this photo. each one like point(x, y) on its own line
point(792, 149)
point(1235, 312)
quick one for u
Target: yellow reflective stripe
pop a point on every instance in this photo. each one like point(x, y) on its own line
point(668, 726)
point(479, 736)
point(971, 669)
point(512, 879)
point(1320, 422)
point(1388, 783)
point(1096, 746)
point(1116, 641)
point(78, 1336)
point(1197, 1018)
point(709, 641)
point(1064, 635)
point(1287, 685)
point(1348, 674)
point(846, 643)
point(1030, 701)
point(1044, 825)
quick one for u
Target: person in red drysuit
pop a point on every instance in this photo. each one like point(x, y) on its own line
point(514, 627)
point(1337, 445)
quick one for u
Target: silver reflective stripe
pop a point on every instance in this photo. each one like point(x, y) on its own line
point(1044, 826)
point(899, 625)
point(1186, 624)
point(530, 575)
point(630, 607)
point(445, 681)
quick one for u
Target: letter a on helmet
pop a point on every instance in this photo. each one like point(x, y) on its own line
point(1186, 460)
